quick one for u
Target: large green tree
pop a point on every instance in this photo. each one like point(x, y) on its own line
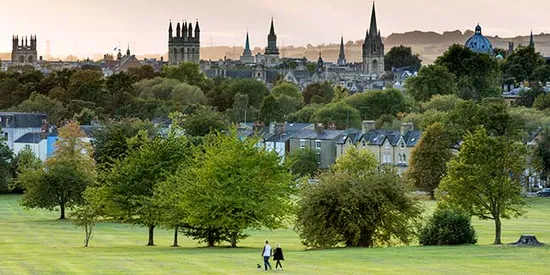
point(431, 80)
point(6, 157)
point(484, 179)
point(304, 162)
point(64, 176)
point(234, 186)
point(373, 104)
point(402, 56)
point(428, 163)
point(340, 114)
point(128, 187)
point(525, 64)
point(356, 204)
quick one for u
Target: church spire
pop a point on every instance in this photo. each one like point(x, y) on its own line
point(272, 41)
point(128, 50)
point(373, 30)
point(532, 40)
point(170, 30)
point(342, 55)
point(272, 30)
point(247, 43)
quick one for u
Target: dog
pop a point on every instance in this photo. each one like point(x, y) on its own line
point(259, 266)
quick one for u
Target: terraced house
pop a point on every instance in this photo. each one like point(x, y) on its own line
point(391, 147)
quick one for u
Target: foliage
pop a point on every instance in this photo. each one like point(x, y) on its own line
point(542, 102)
point(400, 57)
point(428, 163)
point(374, 104)
point(85, 117)
point(287, 89)
point(356, 207)
point(478, 74)
point(522, 63)
point(484, 178)
point(305, 114)
point(85, 85)
point(323, 91)
point(431, 80)
point(203, 121)
point(128, 187)
point(120, 90)
point(340, 114)
point(541, 154)
point(86, 217)
point(442, 103)
point(38, 103)
point(6, 157)
point(531, 119)
point(166, 89)
point(253, 88)
point(233, 186)
point(110, 139)
point(65, 175)
point(24, 160)
point(448, 227)
point(284, 99)
point(527, 96)
point(187, 72)
point(340, 93)
point(303, 162)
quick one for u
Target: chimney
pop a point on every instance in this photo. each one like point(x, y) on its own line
point(272, 128)
point(44, 129)
point(332, 126)
point(406, 127)
point(280, 128)
point(368, 125)
point(320, 128)
point(257, 127)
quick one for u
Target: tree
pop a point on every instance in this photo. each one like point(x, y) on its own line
point(478, 74)
point(24, 160)
point(356, 204)
point(303, 162)
point(374, 104)
point(340, 114)
point(305, 114)
point(276, 107)
point(340, 93)
point(6, 157)
point(431, 80)
point(448, 227)
point(253, 88)
point(186, 72)
point(233, 186)
point(120, 91)
point(287, 89)
point(323, 91)
point(86, 85)
point(402, 56)
point(527, 96)
point(86, 217)
point(522, 64)
point(203, 121)
point(428, 163)
point(484, 178)
point(64, 176)
point(128, 187)
point(542, 154)
point(443, 103)
point(181, 94)
point(142, 72)
point(38, 103)
point(542, 102)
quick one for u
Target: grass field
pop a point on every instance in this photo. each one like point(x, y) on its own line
point(34, 242)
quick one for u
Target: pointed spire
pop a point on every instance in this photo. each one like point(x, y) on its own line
point(190, 27)
point(342, 55)
point(247, 43)
point(128, 50)
point(272, 30)
point(532, 40)
point(170, 30)
point(178, 30)
point(373, 30)
point(197, 28)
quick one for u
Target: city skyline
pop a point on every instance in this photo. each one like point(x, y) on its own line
point(96, 27)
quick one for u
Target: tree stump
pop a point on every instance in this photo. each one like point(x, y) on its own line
point(529, 240)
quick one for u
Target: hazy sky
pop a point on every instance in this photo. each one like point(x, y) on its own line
point(85, 27)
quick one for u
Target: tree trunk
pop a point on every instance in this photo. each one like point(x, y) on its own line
point(432, 195)
point(62, 208)
point(175, 237)
point(151, 235)
point(234, 236)
point(498, 228)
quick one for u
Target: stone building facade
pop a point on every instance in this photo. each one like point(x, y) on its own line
point(185, 44)
point(373, 49)
point(23, 52)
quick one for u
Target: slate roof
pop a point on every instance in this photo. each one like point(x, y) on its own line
point(22, 120)
point(35, 137)
point(377, 137)
point(312, 134)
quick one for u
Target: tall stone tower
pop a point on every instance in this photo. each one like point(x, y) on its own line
point(22, 52)
point(272, 42)
point(342, 56)
point(185, 45)
point(373, 49)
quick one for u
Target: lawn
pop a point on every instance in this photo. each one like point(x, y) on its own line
point(34, 242)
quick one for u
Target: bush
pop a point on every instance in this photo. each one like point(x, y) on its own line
point(448, 227)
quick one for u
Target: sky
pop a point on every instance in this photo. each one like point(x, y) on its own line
point(87, 27)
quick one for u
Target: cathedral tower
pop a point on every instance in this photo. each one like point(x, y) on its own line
point(247, 57)
point(272, 42)
point(185, 45)
point(373, 49)
point(24, 53)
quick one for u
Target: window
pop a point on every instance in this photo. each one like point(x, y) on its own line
point(402, 145)
point(319, 158)
point(318, 144)
point(363, 143)
point(302, 143)
point(389, 158)
point(384, 158)
point(404, 158)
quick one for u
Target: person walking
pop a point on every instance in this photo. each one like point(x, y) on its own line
point(278, 256)
point(266, 253)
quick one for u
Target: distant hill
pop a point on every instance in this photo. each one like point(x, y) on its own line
point(429, 45)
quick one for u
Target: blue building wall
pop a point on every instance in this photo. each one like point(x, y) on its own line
point(51, 144)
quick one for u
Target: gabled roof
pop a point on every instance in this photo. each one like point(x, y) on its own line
point(312, 134)
point(34, 138)
point(378, 137)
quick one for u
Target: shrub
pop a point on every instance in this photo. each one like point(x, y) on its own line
point(448, 227)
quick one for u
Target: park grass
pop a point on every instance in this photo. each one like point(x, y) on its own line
point(35, 242)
